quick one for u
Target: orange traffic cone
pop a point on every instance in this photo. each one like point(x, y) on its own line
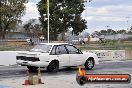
point(39, 76)
point(27, 78)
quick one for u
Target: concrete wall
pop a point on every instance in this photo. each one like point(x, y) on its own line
point(113, 54)
point(128, 54)
point(9, 57)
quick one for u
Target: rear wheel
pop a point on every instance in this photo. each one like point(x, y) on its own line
point(32, 68)
point(89, 64)
point(53, 66)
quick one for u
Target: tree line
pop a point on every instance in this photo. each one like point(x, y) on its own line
point(11, 12)
point(64, 15)
point(111, 32)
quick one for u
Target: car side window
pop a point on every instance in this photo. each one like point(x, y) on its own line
point(53, 50)
point(71, 49)
point(61, 49)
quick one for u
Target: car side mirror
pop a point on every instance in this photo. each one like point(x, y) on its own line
point(78, 51)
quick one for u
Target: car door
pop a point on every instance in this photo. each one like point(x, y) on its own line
point(61, 54)
point(75, 55)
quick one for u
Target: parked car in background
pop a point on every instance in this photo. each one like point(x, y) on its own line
point(56, 55)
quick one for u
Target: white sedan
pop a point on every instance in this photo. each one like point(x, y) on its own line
point(54, 56)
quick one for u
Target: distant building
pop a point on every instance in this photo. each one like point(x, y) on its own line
point(18, 35)
point(116, 36)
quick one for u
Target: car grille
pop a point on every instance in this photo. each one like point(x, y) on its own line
point(27, 58)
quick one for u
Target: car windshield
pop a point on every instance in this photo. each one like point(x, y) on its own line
point(41, 48)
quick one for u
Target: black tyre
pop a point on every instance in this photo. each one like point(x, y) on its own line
point(53, 66)
point(81, 80)
point(89, 64)
point(32, 68)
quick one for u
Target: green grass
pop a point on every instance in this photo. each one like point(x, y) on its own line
point(7, 49)
point(15, 48)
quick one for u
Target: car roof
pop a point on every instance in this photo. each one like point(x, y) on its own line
point(55, 43)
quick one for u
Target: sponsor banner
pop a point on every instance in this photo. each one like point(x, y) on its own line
point(83, 78)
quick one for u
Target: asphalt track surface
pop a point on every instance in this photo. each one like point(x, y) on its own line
point(116, 67)
point(104, 67)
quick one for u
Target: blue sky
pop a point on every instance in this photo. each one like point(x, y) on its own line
point(117, 14)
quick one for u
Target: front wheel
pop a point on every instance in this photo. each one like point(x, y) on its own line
point(89, 64)
point(53, 66)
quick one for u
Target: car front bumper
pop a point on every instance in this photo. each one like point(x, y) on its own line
point(30, 63)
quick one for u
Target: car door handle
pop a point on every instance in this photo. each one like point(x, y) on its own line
point(57, 56)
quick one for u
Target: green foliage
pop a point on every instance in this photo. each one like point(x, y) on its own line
point(108, 42)
point(64, 14)
point(130, 31)
point(10, 13)
point(121, 31)
point(109, 32)
point(131, 28)
point(27, 26)
point(31, 26)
